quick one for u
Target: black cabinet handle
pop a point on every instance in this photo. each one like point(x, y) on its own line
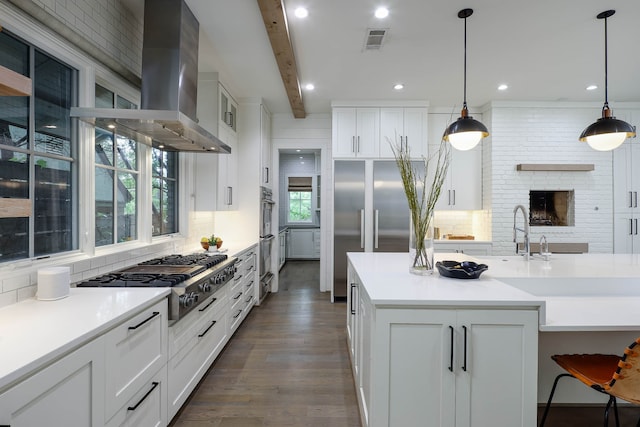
point(208, 305)
point(237, 296)
point(353, 309)
point(155, 313)
point(207, 330)
point(451, 354)
point(237, 314)
point(464, 363)
point(133, 408)
point(238, 277)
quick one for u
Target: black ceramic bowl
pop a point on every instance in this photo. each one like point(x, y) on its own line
point(460, 270)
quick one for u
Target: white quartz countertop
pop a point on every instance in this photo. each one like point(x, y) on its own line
point(34, 333)
point(387, 281)
point(581, 292)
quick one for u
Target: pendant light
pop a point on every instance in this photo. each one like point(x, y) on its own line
point(466, 132)
point(607, 132)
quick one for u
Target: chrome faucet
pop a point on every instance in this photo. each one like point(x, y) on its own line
point(544, 248)
point(525, 230)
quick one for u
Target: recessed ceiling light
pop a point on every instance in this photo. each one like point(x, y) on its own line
point(382, 12)
point(309, 86)
point(51, 126)
point(592, 87)
point(503, 87)
point(297, 151)
point(301, 12)
point(398, 86)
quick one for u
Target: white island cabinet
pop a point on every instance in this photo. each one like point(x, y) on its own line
point(438, 351)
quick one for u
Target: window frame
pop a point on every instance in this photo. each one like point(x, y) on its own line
point(312, 198)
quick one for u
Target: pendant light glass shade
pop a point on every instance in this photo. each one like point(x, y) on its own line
point(466, 132)
point(607, 133)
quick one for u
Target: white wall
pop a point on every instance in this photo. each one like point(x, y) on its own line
point(546, 133)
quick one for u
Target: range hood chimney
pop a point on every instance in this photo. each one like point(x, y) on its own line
point(167, 118)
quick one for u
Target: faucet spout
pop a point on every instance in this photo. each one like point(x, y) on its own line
point(524, 230)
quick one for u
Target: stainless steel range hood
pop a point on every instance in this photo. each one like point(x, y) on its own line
point(169, 86)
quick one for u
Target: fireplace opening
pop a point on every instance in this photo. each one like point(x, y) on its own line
point(551, 208)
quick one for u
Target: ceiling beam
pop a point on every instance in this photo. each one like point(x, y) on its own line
point(275, 22)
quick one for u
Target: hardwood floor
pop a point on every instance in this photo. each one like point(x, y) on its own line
point(287, 365)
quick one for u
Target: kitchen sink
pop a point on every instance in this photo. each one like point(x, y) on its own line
point(576, 286)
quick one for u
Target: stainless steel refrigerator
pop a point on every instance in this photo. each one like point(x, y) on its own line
point(380, 224)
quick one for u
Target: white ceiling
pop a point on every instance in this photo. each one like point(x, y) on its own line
point(545, 50)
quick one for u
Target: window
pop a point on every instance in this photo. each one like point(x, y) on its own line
point(300, 199)
point(37, 156)
point(116, 179)
point(164, 195)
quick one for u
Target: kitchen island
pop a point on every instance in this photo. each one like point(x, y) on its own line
point(452, 350)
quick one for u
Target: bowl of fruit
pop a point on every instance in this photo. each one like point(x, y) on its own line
point(210, 242)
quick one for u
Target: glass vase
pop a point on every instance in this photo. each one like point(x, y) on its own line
point(421, 246)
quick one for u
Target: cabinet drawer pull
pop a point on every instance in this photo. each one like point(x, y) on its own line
point(238, 278)
point(451, 354)
point(153, 387)
point(237, 296)
point(207, 330)
point(250, 284)
point(249, 298)
point(464, 358)
point(208, 305)
point(155, 313)
point(353, 308)
point(237, 314)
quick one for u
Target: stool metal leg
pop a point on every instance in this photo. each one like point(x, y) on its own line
point(553, 390)
point(612, 399)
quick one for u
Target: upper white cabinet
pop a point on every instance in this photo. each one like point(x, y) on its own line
point(626, 185)
point(462, 189)
point(404, 127)
point(355, 132)
point(265, 147)
point(228, 110)
point(216, 175)
point(366, 130)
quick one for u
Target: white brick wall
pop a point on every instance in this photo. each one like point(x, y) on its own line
point(107, 23)
point(535, 133)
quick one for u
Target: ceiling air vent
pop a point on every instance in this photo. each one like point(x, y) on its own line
point(375, 37)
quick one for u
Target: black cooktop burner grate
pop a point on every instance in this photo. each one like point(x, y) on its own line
point(137, 280)
point(193, 259)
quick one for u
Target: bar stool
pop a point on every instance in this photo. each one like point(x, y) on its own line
point(615, 376)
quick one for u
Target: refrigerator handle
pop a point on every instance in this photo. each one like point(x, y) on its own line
point(375, 228)
point(361, 228)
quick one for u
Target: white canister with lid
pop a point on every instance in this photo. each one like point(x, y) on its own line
point(53, 283)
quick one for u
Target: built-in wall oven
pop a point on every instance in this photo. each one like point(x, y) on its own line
point(266, 241)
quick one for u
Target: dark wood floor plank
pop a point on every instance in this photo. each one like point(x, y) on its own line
point(287, 365)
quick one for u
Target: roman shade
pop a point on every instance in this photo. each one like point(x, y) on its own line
point(300, 183)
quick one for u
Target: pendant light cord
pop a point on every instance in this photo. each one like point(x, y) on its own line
point(464, 104)
point(606, 71)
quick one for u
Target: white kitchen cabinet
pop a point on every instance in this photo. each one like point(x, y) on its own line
point(282, 254)
point(194, 343)
point(356, 132)
point(265, 146)
point(626, 185)
point(227, 174)
point(69, 392)
point(216, 175)
point(135, 351)
point(406, 127)
point(302, 243)
point(462, 189)
point(147, 407)
point(243, 289)
point(461, 246)
point(442, 365)
point(228, 110)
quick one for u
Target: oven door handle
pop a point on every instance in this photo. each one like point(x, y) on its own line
point(267, 237)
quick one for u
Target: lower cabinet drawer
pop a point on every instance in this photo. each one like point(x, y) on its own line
point(193, 358)
point(134, 350)
point(147, 407)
